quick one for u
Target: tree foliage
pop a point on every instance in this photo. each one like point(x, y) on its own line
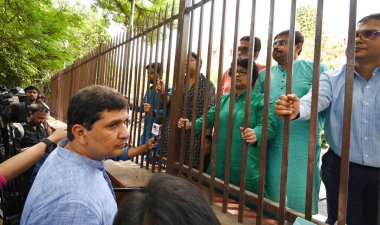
point(120, 10)
point(39, 37)
point(332, 48)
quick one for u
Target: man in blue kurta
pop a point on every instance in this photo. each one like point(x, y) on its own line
point(152, 99)
point(299, 131)
point(72, 186)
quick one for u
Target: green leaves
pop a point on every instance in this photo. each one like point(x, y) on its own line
point(39, 37)
point(120, 10)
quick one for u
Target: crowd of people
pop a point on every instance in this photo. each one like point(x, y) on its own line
point(69, 185)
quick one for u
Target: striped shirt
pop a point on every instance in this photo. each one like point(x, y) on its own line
point(365, 125)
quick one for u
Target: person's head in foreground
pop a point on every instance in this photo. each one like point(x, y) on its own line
point(166, 200)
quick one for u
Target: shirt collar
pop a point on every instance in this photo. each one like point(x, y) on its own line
point(76, 157)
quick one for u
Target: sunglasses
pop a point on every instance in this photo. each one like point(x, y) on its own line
point(367, 34)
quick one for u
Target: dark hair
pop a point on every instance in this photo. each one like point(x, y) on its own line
point(257, 46)
point(31, 87)
point(375, 16)
point(243, 62)
point(299, 38)
point(153, 65)
point(38, 106)
point(167, 200)
point(43, 97)
point(87, 104)
point(195, 56)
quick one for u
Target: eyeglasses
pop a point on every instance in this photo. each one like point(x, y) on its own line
point(243, 50)
point(367, 34)
point(241, 73)
point(280, 43)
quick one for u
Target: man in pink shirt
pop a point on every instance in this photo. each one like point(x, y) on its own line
point(243, 50)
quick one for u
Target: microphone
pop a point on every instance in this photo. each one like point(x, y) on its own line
point(156, 129)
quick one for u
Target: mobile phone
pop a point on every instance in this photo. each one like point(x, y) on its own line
point(156, 138)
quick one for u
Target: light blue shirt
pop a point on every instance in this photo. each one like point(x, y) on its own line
point(365, 125)
point(70, 189)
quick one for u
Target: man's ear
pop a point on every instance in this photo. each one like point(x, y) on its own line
point(80, 133)
point(256, 55)
point(298, 48)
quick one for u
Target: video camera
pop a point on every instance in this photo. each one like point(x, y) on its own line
point(12, 106)
point(13, 109)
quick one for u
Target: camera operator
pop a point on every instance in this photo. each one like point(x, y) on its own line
point(33, 94)
point(30, 133)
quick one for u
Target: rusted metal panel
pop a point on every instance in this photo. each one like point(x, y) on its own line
point(314, 113)
point(348, 92)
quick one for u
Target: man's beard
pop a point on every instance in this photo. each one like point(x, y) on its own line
point(31, 99)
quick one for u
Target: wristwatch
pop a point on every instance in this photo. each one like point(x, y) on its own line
point(50, 145)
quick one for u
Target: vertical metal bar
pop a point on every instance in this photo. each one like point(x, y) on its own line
point(167, 83)
point(349, 84)
point(314, 113)
point(111, 62)
point(131, 65)
point(185, 96)
point(141, 75)
point(178, 81)
point(217, 103)
point(132, 14)
point(135, 90)
point(263, 150)
point(115, 59)
point(128, 76)
point(159, 94)
point(96, 64)
point(127, 60)
point(196, 92)
point(106, 62)
point(126, 63)
point(143, 86)
point(231, 111)
point(120, 60)
point(155, 84)
point(103, 64)
point(285, 147)
point(205, 105)
point(151, 103)
point(247, 113)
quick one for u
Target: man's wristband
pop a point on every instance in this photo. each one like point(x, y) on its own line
point(50, 146)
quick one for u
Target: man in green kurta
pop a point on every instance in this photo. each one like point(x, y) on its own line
point(252, 134)
point(299, 130)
